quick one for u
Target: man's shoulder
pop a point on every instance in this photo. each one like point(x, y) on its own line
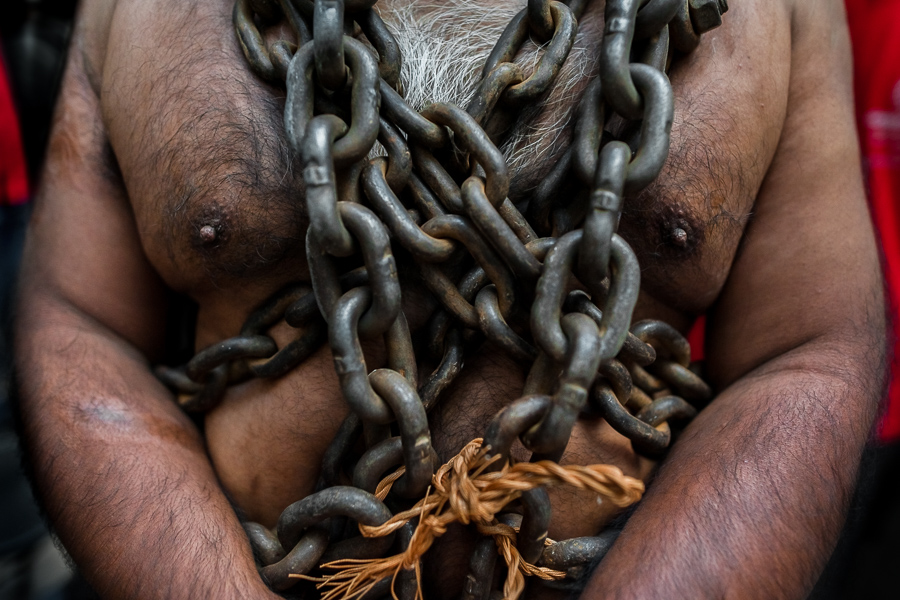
point(810, 19)
point(91, 37)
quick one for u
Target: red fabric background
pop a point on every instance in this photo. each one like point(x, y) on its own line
point(13, 174)
point(875, 31)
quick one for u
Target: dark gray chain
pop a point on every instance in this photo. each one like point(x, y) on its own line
point(485, 262)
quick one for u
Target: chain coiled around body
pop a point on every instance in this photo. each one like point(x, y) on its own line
point(499, 271)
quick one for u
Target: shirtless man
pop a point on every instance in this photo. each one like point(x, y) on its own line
point(163, 130)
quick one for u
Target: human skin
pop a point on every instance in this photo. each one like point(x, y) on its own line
point(162, 129)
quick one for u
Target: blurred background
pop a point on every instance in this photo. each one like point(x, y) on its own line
point(34, 36)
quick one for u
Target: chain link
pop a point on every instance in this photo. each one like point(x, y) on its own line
point(440, 193)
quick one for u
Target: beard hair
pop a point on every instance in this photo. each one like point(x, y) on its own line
point(444, 45)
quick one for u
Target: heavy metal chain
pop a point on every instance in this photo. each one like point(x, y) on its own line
point(436, 203)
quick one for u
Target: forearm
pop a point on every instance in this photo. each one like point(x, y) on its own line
point(123, 474)
point(752, 497)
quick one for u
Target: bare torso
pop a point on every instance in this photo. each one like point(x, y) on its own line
point(198, 139)
point(759, 220)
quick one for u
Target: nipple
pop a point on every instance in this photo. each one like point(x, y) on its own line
point(208, 226)
point(679, 237)
point(207, 234)
point(681, 233)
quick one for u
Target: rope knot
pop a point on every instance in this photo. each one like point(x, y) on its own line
point(461, 492)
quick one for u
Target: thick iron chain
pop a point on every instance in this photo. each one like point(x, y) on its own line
point(440, 194)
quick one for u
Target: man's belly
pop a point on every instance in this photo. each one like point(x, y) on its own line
point(267, 438)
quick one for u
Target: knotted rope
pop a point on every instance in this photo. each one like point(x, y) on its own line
point(464, 493)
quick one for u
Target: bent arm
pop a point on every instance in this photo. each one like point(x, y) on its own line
point(751, 500)
point(123, 474)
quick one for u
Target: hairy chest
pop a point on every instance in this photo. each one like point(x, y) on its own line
point(219, 202)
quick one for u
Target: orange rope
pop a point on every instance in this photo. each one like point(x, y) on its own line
point(464, 493)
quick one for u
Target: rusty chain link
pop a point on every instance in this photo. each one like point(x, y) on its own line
point(440, 194)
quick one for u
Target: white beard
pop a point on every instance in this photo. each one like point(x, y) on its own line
point(444, 45)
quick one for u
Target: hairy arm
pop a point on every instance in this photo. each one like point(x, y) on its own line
point(123, 473)
point(752, 498)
